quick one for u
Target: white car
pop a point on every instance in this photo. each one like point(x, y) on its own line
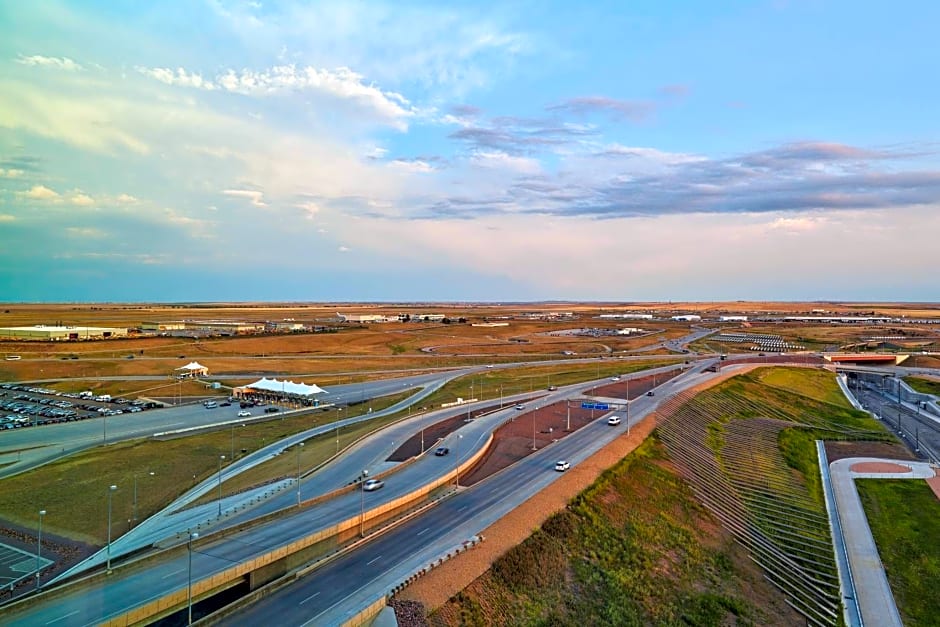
point(613, 421)
point(562, 466)
point(615, 378)
point(244, 413)
point(372, 484)
point(520, 406)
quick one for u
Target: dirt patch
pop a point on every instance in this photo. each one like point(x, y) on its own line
point(934, 483)
point(879, 467)
point(842, 450)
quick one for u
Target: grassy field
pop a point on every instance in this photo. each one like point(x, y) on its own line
point(925, 386)
point(904, 516)
point(633, 549)
point(816, 384)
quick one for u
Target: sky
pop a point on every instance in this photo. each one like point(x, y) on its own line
point(220, 150)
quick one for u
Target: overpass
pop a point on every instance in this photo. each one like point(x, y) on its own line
point(880, 359)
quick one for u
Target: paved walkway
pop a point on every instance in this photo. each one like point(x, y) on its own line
point(874, 597)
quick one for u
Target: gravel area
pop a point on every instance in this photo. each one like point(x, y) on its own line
point(879, 467)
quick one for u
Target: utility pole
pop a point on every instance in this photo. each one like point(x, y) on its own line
point(568, 420)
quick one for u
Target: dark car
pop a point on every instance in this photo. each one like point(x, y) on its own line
point(271, 410)
point(651, 393)
point(441, 451)
point(226, 404)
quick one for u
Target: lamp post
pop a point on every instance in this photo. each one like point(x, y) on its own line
point(42, 513)
point(468, 401)
point(299, 448)
point(221, 459)
point(104, 426)
point(111, 490)
point(457, 461)
point(362, 503)
point(135, 493)
point(533, 427)
point(422, 439)
point(189, 590)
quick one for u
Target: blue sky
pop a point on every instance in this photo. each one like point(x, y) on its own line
point(219, 150)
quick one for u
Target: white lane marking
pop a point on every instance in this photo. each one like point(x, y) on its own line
point(55, 620)
point(462, 508)
point(308, 598)
point(173, 573)
point(373, 560)
point(424, 531)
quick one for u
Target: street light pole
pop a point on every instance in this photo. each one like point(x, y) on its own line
point(299, 448)
point(42, 513)
point(362, 503)
point(111, 490)
point(189, 590)
point(135, 494)
point(221, 459)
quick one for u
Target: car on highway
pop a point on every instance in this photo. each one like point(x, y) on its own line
point(613, 421)
point(651, 393)
point(552, 388)
point(372, 484)
point(244, 413)
point(562, 466)
point(441, 451)
point(615, 378)
point(271, 410)
point(520, 406)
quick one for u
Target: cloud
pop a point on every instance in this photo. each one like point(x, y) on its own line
point(256, 197)
point(10, 174)
point(126, 199)
point(515, 135)
point(21, 163)
point(342, 83)
point(415, 166)
point(39, 192)
point(633, 110)
point(179, 77)
point(310, 209)
point(5, 217)
point(503, 161)
point(85, 232)
point(58, 63)
point(343, 249)
point(82, 200)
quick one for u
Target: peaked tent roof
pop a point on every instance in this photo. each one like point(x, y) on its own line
point(286, 387)
point(193, 365)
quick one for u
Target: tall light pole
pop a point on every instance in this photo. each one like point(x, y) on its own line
point(189, 590)
point(104, 426)
point(299, 448)
point(362, 503)
point(135, 493)
point(111, 490)
point(221, 459)
point(468, 401)
point(42, 513)
point(533, 427)
point(457, 461)
point(568, 418)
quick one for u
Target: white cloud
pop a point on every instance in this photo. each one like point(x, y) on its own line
point(256, 197)
point(39, 192)
point(10, 174)
point(126, 199)
point(82, 200)
point(311, 209)
point(5, 217)
point(416, 166)
point(179, 77)
point(343, 249)
point(342, 83)
point(85, 232)
point(501, 161)
point(59, 63)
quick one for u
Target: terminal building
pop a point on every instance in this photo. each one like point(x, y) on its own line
point(60, 334)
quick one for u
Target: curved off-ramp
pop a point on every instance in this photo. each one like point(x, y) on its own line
point(872, 593)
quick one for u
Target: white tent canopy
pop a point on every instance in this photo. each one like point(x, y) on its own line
point(285, 387)
point(193, 366)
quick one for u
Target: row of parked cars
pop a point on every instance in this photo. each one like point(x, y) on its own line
point(32, 406)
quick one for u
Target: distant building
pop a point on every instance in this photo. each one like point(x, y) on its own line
point(732, 318)
point(687, 318)
point(59, 334)
point(626, 316)
point(490, 324)
point(362, 318)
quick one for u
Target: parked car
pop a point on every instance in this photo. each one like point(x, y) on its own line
point(441, 451)
point(562, 466)
point(372, 485)
point(244, 413)
point(613, 421)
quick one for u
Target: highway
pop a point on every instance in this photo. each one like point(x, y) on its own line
point(128, 588)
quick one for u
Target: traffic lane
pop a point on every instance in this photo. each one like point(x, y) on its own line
point(449, 523)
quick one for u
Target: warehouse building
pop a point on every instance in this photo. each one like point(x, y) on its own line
point(42, 332)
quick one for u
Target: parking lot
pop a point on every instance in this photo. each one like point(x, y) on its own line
point(24, 406)
point(16, 565)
